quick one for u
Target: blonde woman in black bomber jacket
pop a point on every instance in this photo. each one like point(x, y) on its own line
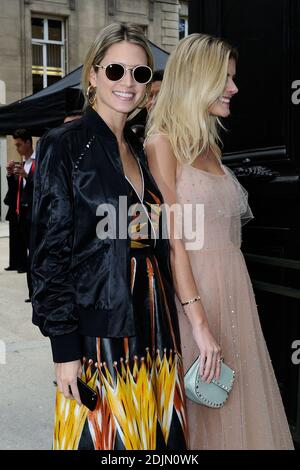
point(106, 300)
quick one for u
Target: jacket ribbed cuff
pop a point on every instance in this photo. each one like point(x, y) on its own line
point(66, 348)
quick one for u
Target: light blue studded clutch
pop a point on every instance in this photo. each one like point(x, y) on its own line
point(213, 394)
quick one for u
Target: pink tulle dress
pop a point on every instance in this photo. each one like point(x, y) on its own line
point(253, 417)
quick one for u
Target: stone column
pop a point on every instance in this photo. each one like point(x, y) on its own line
point(3, 157)
point(170, 24)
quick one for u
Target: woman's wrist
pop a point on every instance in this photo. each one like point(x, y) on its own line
point(196, 314)
point(197, 322)
point(191, 301)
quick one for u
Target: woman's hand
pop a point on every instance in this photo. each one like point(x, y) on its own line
point(210, 353)
point(66, 374)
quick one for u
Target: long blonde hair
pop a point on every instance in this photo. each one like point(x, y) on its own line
point(112, 34)
point(194, 78)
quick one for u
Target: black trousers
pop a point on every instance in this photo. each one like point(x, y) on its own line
point(25, 228)
point(17, 247)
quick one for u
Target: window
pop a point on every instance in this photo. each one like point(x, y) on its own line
point(183, 27)
point(48, 51)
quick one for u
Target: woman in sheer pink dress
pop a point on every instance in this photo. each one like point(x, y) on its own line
point(184, 157)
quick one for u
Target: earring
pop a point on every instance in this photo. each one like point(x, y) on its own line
point(91, 94)
point(144, 101)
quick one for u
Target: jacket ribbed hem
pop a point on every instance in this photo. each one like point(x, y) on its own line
point(66, 348)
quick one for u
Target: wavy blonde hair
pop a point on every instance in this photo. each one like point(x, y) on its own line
point(194, 78)
point(112, 34)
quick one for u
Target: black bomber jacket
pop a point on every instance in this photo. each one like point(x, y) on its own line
point(81, 284)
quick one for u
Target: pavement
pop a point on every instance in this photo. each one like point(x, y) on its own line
point(27, 394)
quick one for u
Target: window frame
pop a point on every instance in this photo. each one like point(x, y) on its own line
point(186, 26)
point(45, 42)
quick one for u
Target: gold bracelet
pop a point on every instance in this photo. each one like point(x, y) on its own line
point(195, 299)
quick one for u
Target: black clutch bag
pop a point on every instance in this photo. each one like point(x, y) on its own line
point(88, 396)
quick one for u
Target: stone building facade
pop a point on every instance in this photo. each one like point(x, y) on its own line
point(42, 40)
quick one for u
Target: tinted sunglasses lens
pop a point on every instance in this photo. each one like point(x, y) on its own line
point(114, 72)
point(142, 74)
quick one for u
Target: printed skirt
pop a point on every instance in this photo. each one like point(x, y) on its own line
point(139, 380)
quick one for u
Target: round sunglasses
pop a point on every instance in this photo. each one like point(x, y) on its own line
point(142, 74)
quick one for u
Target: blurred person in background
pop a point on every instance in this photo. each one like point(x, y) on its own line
point(17, 257)
point(157, 79)
point(138, 122)
point(21, 180)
